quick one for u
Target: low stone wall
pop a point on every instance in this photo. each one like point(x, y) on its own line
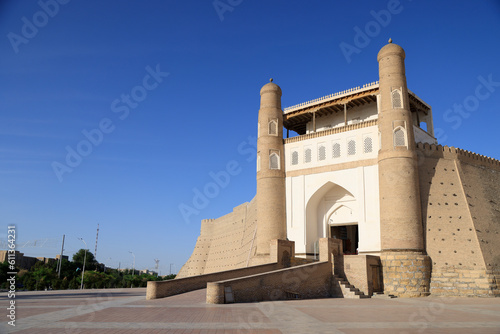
point(311, 280)
point(160, 289)
point(358, 271)
point(465, 282)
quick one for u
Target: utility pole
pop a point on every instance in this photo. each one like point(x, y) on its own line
point(171, 264)
point(133, 268)
point(60, 259)
point(84, 259)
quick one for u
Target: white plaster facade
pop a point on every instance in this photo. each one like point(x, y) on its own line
point(345, 197)
point(332, 180)
point(355, 145)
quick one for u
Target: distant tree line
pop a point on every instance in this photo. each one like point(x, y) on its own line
point(45, 276)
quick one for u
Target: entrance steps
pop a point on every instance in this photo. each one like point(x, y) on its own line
point(382, 295)
point(347, 290)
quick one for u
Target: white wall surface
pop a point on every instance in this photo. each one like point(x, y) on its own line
point(312, 199)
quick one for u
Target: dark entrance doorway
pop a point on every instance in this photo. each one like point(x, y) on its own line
point(349, 236)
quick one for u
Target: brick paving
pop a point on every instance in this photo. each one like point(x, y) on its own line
point(124, 311)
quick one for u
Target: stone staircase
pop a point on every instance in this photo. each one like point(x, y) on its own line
point(346, 289)
point(382, 295)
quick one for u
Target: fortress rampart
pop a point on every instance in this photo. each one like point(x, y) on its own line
point(225, 243)
point(461, 216)
point(449, 152)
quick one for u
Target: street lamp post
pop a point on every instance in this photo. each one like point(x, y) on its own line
point(84, 259)
point(133, 266)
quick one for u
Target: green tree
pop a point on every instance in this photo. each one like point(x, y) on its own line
point(68, 269)
point(64, 283)
point(94, 279)
point(74, 284)
point(167, 277)
point(114, 278)
point(90, 261)
point(4, 269)
point(44, 275)
point(28, 281)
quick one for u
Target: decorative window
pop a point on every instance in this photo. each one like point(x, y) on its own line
point(368, 145)
point(273, 127)
point(397, 99)
point(399, 136)
point(308, 155)
point(274, 160)
point(336, 150)
point(295, 158)
point(258, 163)
point(351, 147)
point(321, 152)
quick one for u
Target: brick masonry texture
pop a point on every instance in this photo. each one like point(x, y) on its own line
point(461, 214)
point(358, 271)
point(225, 243)
point(160, 289)
point(301, 282)
point(406, 274)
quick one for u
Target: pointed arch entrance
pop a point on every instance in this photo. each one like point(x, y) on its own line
point(333, 211)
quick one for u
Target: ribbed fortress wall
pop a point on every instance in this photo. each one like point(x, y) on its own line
point(224, 243)
point(482, 186)
point(460, 209)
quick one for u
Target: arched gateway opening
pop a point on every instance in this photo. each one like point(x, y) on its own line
point(343, 225)
point(333, 212)
point(349, 236)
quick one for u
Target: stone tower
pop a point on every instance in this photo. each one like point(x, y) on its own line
point(406, 267)
point(271, 223)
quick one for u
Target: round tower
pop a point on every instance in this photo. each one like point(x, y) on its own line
point(271, 223)
point(406, 268)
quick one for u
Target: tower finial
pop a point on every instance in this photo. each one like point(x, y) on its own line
point(271, 80)
point(390, 40)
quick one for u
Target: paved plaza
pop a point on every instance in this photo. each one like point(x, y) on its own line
point(127, 311)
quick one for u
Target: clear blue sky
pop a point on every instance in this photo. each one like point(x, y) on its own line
point(71, 70)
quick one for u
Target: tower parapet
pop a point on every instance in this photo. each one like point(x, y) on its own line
point(271, 223)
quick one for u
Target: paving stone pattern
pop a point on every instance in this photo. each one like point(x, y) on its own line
point(126, 311)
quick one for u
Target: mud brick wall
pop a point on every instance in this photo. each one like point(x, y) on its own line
point(358, 271)
point(460, 196)
point(224, 243)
